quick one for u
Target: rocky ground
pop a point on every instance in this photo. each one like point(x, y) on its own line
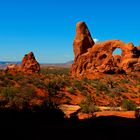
point(55, 85)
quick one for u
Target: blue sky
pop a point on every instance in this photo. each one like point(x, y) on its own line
point(47, 27)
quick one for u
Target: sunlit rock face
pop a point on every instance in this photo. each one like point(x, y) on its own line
point(91, 58)
point(29, 65)
point(83, 39)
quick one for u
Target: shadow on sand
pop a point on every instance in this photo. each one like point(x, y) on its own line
point(50, 124)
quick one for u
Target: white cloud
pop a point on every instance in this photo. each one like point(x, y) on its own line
point(96, 40)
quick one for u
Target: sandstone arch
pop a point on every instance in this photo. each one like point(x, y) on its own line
point(98, 58)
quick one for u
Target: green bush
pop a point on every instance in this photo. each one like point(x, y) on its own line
point(102, 87)
point(71, 90)
point(111, 83)
point(53, 87)
point(137, 113)
point(55, 71)
point(88, 105)
point(18, 97)
point(125, 81)
point(78, 85)
point(123, 89)
point(37, 82)
point(62, 94)
point(9, 93)
point(99, 85)
point(128, 105)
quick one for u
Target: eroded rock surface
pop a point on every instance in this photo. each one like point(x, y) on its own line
point(29, 65)
point(83, 39)
point(91, 58)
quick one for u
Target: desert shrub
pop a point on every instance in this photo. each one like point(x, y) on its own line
point(2, 77)
point(99, 85)
point(18, 77)
point(102, 87)
point(65, 81)
point(88, 105)
point(62, 81)
point(123, 89)
point(37, 82)
point(26, 92)
point(43, 71)
point(62, 94)
point(97, 92)
point(53, 87)
point(85, 80)
point(111, 83)
point(115, 91)
point(18, 98)
point(9, 76)
point(55, 71)
point(71, 90)
point(112, 95)
point(7, 82)
point(78, 85)
point(137, 113)
point(125, 81)
point(8, 92)
point(128, 105)
point(68, 99)
point(94, 82)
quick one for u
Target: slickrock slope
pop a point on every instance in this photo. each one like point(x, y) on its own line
point(91, 59)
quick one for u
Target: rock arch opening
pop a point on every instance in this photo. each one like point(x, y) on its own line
point(117, 51)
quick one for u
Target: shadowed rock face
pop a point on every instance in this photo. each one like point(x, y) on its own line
point(91, 58)
point(29, 65)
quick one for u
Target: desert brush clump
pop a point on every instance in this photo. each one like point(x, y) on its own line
point(128, 104)
point(51, 82)
point(88, 106)
point(71, 90)
point(17, 97)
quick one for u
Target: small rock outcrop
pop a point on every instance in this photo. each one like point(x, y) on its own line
point(12, 68)
point(91, 59)
point(29, 65)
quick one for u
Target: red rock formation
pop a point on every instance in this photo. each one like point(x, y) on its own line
point(98, 58)
point(29, 65)
point(83, 39)
point(13, 68)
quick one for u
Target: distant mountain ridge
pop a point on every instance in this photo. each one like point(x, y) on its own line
point(69, 62)
point(9, 62)
point(3, 64)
